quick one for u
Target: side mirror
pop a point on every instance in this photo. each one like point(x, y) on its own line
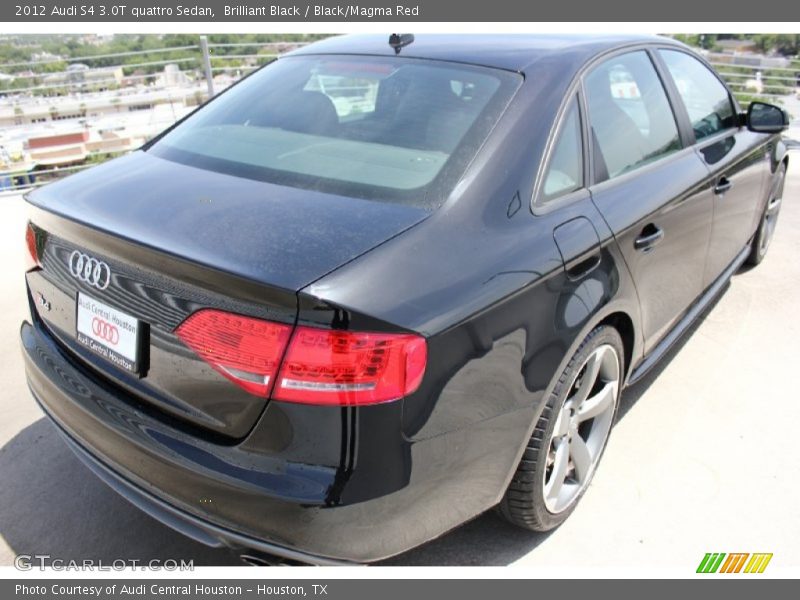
point(766, 118)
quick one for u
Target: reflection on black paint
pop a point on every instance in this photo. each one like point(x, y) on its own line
point(715, 152)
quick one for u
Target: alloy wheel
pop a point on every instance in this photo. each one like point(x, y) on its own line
point(581, 429)
point(768, 224)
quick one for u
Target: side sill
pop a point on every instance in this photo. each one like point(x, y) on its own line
point(649, 361)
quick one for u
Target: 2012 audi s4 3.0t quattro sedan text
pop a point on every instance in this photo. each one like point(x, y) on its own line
point(385, 284)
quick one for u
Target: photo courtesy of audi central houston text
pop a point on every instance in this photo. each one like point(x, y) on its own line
point(328, 335)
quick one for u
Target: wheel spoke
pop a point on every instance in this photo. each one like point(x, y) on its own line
point(562, 424)
point(559, 472)
point(589, 377)
point(599, 403)
point(771, 228)
point(581, 428)
point(581, 458)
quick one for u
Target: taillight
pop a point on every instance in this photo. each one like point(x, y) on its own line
point(32, 256)
point(245, 350)
point(321, 366)
point(350, 368)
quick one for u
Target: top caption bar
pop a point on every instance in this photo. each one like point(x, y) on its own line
point(441, 11)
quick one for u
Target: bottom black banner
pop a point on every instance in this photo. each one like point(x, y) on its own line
point(385, 589)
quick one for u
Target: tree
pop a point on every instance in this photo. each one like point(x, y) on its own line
point(785, 44)
point(706, 41)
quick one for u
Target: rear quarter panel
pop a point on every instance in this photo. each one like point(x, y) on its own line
point(483, 280)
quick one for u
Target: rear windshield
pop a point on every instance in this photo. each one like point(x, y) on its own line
point(381, 128)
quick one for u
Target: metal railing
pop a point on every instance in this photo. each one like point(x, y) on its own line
point(108, 85)
point(206, 67)
point(755, 76)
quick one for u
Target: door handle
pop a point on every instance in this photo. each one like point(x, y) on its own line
point(723, 185)
point(650, 236)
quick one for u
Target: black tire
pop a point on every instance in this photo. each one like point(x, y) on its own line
point(524, 503)
point(769, 217)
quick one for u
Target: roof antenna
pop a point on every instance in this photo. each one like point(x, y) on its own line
point(400, 40)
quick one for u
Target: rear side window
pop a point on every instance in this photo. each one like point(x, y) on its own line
point(565, 171)
point(706, 99)
point(631, 120)
point(387, 129)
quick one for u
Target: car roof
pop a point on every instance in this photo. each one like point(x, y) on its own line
point(513, 52)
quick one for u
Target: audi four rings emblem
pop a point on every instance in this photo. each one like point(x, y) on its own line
point(105, 330)
point(90, 270)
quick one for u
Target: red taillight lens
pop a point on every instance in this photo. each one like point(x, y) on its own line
point(339, 368)
point(32, 256)
point(245, 350)
point(350, 368)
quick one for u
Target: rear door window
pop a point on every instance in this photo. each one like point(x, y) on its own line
point(632, 123)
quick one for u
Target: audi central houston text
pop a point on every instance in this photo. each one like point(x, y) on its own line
point(159, 589)
point(383, 285)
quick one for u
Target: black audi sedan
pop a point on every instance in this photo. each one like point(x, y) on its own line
point(385, 284)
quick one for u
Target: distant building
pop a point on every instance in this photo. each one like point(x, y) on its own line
point(96, 39)
point(172, 77)
point(737, 45)
point(25, 111)
point(79, 77)
point(226, 79)
point(59, 148)
point(45, 57)
point(39, 133)
point(749, 59)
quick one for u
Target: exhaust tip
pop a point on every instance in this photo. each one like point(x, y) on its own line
point(254, 561)
point(266, 560)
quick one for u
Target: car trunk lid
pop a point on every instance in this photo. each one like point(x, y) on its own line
point(176, 240)
point(277, 235)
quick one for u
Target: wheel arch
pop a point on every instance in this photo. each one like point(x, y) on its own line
point(623, 315)
point(623, 323)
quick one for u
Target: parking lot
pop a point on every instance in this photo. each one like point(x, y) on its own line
point(703, 458)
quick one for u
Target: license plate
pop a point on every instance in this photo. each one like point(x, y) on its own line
point(108, 332)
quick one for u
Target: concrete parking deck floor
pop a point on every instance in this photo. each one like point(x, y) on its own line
point(703, 458)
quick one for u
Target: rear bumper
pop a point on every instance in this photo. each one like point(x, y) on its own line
point(193, 527)
point(232, 494)
point(381, 494)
